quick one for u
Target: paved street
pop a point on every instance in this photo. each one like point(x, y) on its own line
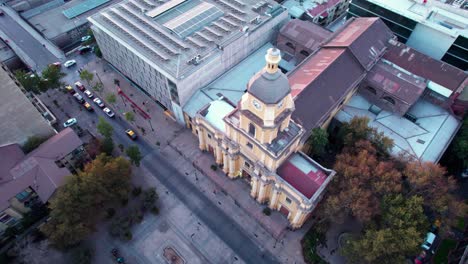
point(30, 46)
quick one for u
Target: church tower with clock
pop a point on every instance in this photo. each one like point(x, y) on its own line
point(257, 140)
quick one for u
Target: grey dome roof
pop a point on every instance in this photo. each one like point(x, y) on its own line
point(269, 88)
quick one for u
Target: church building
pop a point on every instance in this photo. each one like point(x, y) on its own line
point(258, 141)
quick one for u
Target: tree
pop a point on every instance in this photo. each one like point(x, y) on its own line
point(107, 146)
point(94, 147)
point(98, 52)
point(318, 141)
point(82, 255)
point(29, 81)
point(32, 143)
point(78, 204)
point(130, 116)
point(98, 87)
point(461, 144)
point(51, 78)
point(87, 76)
point(397, 236)
point(358, 129)
point(133, 152)
point(111, 98)
point(429, 181)
point(362, 180)
point(104, 128)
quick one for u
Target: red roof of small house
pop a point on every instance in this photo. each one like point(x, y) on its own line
point(320, 8)
point(302, 173)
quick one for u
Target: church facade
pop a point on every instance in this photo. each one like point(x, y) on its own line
point(257, 140)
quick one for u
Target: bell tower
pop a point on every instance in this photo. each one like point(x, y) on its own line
point(267, 106)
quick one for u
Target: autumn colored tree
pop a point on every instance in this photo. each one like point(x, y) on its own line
point(396, 236)
point(362, 179)
point(78, 203)
point(430, 181)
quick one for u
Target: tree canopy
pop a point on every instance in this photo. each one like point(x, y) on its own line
point(318, 141)
point(29, 81)
point(104, 128)
point(111, 98)
point(52, 77)
point(87, 76)
point(77, 204)
point(130, 116)
point(133, 152)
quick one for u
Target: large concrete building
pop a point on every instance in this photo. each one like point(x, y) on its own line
point(432, 27)
point(22, 115)
point(260, 142)
point(172, 49)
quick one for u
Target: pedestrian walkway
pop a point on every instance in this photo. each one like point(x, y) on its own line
point(180, 146)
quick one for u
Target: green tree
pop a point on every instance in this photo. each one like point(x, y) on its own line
point(111, 98)
point(133, 152)
point(52, 78)
point(98, 52)
point(82, 255)
point(397, 236)
point(318, 142)
point(104, 128)
point(129, 116)
point(29, 81)
point(87, 76)
point(98, 87)
point(461, 144)
point(32, 143)
point(107, 146)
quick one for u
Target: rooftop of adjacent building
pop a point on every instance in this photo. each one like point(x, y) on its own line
point(308, 34)
point(304, 174)
point(50, 20)
point(180, 34)
point(312, 8)
point(20, 119)
point(425, 137)
point(450, 17)
point(37, 169)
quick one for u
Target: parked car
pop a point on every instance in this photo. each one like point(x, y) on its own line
point(88, 93)
point(79, 98)
point(1, 13)
point(429, 242)
point(131, 134)
point(98, 102)
point(85, 38)
point(70, 122)
point(108, 112)
point(69, 63)
point(80, 86)
point(84, 49)
point(88, 107)
point(56, 64)
point(69, 89)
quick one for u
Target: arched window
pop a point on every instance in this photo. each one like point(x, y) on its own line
point(305, 53)
point(372, 90)
point(251, 129)
point(389, 99)
point(289, 44)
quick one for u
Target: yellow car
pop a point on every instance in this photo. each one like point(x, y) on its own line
point(131, 134)
point(88, 106)
point(69, 89)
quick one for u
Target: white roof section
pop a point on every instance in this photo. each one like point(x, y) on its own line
point(216, 112)
point(231, 84)
point(442, 17)
point(426, 139)
point(439, 89)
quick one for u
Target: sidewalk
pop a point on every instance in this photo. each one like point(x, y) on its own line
point(180, 147)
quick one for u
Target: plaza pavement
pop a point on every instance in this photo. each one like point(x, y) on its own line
point(180, 147)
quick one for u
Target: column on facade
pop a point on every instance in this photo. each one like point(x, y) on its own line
point(232, 166)
point(225, 162)
point(254, 182)
point(201, 140)
point(219, 155)
point(261, 192)
point(274, 198)
point(298, 218)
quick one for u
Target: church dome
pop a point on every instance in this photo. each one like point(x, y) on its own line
point(270, 85)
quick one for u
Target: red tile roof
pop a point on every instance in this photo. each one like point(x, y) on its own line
point(320, 8)
point(420, 64)
point(302, 174)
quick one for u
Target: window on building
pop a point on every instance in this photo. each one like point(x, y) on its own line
point(246, 164)
point(249, 145)
point(173, 90)
point(375, 109)
point(371, 89)
point(252, 129)
point(288, 200)
point(209, 135)
point(410, 117)
point(4, 218)
point(305, 53)
point(59, 163)
point(290, 45)
point(389, 99)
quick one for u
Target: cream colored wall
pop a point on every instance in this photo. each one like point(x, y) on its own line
point(18, 206)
